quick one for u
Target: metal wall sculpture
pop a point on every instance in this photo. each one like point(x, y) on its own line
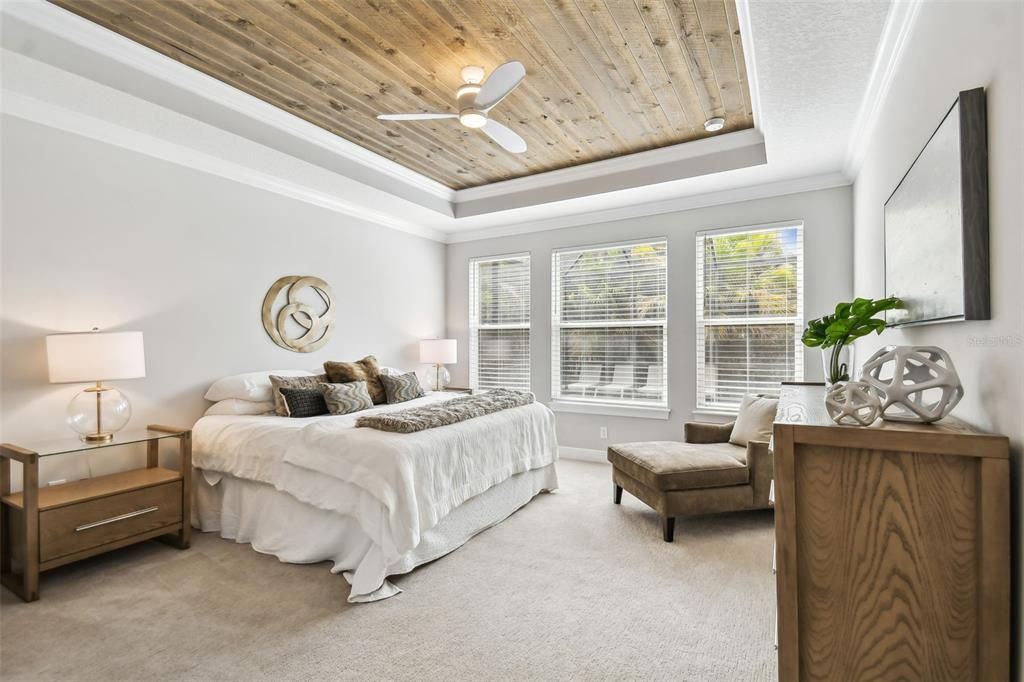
point(314, 321)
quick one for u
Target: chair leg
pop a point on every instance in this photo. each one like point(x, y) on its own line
point(618, 494)
point(668, 527)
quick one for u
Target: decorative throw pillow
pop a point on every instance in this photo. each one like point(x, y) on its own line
point(279, 382)
point(403, 387)
point(346, 398)
point(755, 419)
point(304, 402)
point(363, 370)
point(254, 386)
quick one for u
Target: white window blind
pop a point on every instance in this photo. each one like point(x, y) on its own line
point(499, 322)
point(609, 306)
point(749, 312)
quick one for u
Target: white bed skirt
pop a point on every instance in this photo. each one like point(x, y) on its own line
point(276, 523)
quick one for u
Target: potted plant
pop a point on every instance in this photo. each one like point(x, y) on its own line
point(850, 321)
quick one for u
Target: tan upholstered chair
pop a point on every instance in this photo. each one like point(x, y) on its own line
point(705, 474)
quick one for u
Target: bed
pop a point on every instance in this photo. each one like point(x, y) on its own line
point(374, 503)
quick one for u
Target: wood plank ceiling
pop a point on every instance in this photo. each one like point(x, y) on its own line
point(604, 77)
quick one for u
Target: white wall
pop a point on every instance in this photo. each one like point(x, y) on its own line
point(94, 235)
point(954, 47)
point(828, 276)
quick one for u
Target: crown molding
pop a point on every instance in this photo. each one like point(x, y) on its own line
point(44, 113)
point(749, 59)
point(730, 196)
point(730, 151)
point(898, 26)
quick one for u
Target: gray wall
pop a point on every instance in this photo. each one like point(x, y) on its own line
point(93, 235)
point(828, 278)
point(953, 47)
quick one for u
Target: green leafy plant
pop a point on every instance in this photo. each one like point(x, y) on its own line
point(850, 321)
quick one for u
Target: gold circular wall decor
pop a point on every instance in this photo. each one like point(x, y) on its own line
point(318, 325)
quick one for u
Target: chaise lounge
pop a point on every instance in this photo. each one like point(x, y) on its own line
point(717, 468)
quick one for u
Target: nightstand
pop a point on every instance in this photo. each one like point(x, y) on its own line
point(44, 528)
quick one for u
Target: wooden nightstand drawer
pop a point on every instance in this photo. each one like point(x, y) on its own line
point(85, 525)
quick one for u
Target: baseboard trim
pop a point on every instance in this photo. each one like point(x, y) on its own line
point(582, 454)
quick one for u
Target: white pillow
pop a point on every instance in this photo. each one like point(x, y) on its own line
point(391, 372)
point(236, 406)
point(755, 420)
point(253, 386)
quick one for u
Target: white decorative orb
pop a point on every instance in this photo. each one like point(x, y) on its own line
point(917, 383)
point(114, 412)
point(854, 403)
point(432, 379)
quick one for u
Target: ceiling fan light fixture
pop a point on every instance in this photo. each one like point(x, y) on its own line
point(472, 74)
point(713, 125)
point(472, 119)
point(469, 89)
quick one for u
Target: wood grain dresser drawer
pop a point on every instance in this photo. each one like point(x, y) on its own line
point(77, 527)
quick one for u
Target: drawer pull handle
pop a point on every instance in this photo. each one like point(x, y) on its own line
point(113, 519)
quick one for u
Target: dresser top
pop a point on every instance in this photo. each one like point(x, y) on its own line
point(803, 407)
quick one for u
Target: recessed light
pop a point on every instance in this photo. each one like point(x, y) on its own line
point(714, 124)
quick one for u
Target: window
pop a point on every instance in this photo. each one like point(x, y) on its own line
point(608, 324)
point(749, 312)
point(499, 322)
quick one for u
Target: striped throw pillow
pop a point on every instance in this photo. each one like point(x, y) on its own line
point(402, 387)
point(347, 398)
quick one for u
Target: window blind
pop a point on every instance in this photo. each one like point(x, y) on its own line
point(749, 312)
point(609, 307)
point(499, 322)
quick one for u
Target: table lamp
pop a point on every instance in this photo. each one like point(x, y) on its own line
point(98, 411)
point(438, 352)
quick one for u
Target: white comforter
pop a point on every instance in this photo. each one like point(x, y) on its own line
point(395, 485)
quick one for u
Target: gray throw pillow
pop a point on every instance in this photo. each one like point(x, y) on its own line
point(346, 398)
point(304, 402)
point(277, 383)
point(402, 387)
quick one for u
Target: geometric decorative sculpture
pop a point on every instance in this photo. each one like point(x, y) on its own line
point(299, 325)
point(854, 403)
point(917, 383)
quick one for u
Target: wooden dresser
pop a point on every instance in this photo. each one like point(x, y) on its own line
point(893, 548)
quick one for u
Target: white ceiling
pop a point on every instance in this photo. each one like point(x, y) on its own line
point(812, 64)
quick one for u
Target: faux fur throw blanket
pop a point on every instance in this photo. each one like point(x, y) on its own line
point(447, 412)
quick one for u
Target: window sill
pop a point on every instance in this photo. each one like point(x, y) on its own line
point(711, 412)
point(638, 411)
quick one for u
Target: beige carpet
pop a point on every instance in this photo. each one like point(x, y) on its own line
point(569, 587)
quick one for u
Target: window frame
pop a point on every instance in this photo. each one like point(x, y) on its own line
point(606, 405)
point(474, 325)
point(797, 320)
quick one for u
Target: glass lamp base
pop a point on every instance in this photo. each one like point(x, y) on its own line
point(97, 413)
point(438, 378)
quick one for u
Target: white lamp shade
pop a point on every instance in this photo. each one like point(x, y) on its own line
point(95, 356)
point(438, 351)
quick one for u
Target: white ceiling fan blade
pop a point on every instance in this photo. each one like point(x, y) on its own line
point(414, 117)
point(502, 81)
point(504, 136)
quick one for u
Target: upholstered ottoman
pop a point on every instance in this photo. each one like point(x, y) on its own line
point(705, 474)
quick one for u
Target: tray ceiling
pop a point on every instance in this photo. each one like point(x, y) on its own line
point(604, 78)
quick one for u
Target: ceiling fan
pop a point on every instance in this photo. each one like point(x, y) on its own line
point(476, 99)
